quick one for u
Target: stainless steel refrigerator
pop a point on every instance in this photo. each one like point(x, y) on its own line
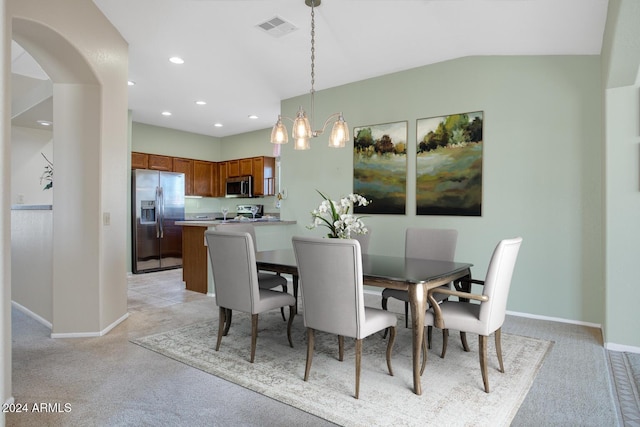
point(158, 202)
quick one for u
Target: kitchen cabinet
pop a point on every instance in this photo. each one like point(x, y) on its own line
point(263, 171)
point(208, 179)
point(223, 174)
point(214, 180)
point(194, 259)
point(139, 161)
point(233, 168)
point(160, 163)
point(246, 167)
point(203, 179)
point(186, 167)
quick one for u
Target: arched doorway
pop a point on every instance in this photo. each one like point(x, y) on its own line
point(87, 61)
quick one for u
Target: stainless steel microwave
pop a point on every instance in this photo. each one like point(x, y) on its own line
point(241, 186)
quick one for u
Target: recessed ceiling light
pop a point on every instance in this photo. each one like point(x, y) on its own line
point(201, 102)
point(166, 113)
point(131, 83)
point(218, 125)
point(176, 60)
point(253, 116)
point(44, 123)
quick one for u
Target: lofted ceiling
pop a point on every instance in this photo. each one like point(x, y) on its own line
point(239, 69)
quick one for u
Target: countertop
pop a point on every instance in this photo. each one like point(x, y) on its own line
point(209, 223)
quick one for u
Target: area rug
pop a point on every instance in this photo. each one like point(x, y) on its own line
point(452, 390)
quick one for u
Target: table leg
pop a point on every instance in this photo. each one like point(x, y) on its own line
point(417, 302)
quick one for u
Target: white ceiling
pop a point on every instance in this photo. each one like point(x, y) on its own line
point(239, 70)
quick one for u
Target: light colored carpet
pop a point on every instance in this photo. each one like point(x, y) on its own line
point(452, 387)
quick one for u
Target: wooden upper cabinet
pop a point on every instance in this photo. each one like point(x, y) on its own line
point(139, 160)
point(203, 180)
point(233, 168)
point(160, 163)
point(264, 181)
point(215, 187)
point(246, 167)
point(209, 179)
point(222, 178)
point(186, 167)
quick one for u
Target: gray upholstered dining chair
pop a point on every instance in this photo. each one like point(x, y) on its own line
point(235, 276)
point(424, 243)
point(266, 280)
point(330, 273)
point(488, 316)
point(364, 240)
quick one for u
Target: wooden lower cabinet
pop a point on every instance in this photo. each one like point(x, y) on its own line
point(194, 259)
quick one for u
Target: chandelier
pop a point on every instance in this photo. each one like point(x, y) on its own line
point(302, 131)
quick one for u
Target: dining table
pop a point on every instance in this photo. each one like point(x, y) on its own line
point(416, 276)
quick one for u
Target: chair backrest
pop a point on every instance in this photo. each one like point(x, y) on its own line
point(364, 240)
point(430, 243)
point(233, 263)
point(330, 273)
point(239, 227)
point(498, 282)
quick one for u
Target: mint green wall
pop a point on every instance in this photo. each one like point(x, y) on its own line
point(542, 168)
point(621, 65)
point(171, 142)
point(248, 144)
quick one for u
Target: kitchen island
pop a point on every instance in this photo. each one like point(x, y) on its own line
point(195, 259)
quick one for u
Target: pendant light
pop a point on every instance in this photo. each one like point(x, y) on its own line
point(302, 131)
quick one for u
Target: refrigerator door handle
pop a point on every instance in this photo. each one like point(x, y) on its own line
point(161, 213)
point(157, 212)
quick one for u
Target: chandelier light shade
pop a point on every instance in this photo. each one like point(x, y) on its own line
point(279, 132)
point(302, 130)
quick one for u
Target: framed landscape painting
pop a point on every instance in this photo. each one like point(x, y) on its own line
point(449, 165)
point(380, 167)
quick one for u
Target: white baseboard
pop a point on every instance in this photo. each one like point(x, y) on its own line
point(621, 347)
point(607, 345)
point(555, 319)
point(31, 314)
point(91, 334)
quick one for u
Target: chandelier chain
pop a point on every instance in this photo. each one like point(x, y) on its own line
point(313, 45)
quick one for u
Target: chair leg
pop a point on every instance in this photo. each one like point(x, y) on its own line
point(358, 363)
point(254, 335)
point(221, 328)
point(424, 351)
point(310, 345)
point(285, 290)
point(384, 307)
point(292, 313)
point(445, 338)
point(499, 348)
point(340, 348)
point(445, 341)
point(227, 321)
point(482, 339)
point(406, 314)
point(392, 339)
point(463, 338)
point(429, 332)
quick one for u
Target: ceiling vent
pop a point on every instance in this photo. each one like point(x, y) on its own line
point(277, 27)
